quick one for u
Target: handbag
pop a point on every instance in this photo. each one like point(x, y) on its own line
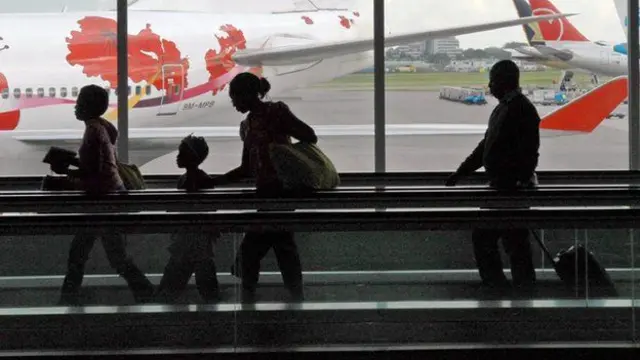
point(303, 165)
point(131, 176)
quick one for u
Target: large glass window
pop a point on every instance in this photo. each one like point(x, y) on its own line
point(439, 86)
point(47, 79)
point(361, 286)
point(427, 127)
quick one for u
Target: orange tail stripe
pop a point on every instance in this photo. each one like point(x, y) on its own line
point(586, 112)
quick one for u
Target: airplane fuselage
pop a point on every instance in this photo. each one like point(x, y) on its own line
point(179, 63)
point(598, 59)
point(584, 57)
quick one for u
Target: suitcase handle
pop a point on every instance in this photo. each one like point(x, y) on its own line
point(545, 250)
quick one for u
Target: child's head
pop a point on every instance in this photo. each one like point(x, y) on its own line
point(192, 152)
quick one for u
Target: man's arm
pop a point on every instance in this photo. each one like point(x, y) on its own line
point(529, 144)
point(473, 162)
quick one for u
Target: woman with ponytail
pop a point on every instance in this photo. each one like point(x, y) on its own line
point(266, 123)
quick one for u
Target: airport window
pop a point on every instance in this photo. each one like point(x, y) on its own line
point(5, 93)
point(63, 92)
point(74, 91)
point(16, 93)
point(40, 92)
point(52, 92)
point(29, 92)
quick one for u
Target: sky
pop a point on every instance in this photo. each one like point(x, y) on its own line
point(597, 19)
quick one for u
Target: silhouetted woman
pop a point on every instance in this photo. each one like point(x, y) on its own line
point(266, 123)
point(97, 174)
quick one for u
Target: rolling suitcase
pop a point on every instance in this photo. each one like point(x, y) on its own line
point(572, 264)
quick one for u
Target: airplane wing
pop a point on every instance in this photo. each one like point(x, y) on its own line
point(526, 56)
point(564, 55)
point(303, 54)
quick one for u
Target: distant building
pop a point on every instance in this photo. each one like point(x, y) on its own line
point(415, 50)
point(448, 45)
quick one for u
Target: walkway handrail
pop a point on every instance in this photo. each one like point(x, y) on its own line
point(362, 198)
point(314, 221)
point(166, 181)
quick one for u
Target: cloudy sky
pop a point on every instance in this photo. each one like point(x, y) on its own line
point(597, 19)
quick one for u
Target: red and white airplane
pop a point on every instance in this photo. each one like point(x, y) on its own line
point(560, 44)
point(181, 60)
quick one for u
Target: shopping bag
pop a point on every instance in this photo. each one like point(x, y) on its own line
point(303, 165)
point(131, 176)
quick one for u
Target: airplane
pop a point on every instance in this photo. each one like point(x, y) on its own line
point(559, 44)
point(180, 62)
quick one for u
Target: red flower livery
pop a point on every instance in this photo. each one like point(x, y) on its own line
point(94, 48)
point(220, 63)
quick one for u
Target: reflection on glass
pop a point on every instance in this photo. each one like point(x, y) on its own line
point(382, 266)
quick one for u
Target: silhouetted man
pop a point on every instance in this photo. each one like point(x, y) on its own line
point(509, 154)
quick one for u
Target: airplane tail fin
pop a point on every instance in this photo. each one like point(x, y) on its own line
point(558, 30)
point(585, 113)
point(531, 31)
point(623, 16)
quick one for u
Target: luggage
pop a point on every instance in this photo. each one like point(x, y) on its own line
point(571, 266)
point(303, 165)
point(60, 156)
point(131, 176)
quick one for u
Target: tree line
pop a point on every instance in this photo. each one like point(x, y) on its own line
point(467, 54)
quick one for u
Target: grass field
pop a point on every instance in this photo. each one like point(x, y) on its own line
point(433, 81)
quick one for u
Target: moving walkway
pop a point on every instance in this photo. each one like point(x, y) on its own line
point(230, 327)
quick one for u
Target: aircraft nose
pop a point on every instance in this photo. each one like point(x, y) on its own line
point(9, 120)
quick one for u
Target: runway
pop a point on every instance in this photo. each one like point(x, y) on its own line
point(606, 148)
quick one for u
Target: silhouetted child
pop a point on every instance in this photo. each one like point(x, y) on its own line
point(191, 252)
